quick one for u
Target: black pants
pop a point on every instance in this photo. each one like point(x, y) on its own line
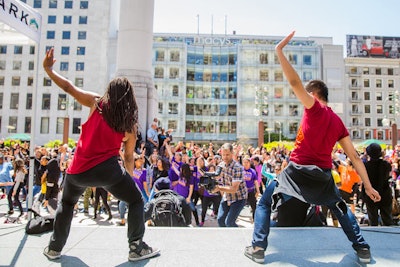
point(382, 208)
point(252, 201)
point(206, 201)
point(16, 199)
point(115, 180)
point(100, 192)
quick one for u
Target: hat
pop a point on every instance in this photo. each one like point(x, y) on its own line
point(162, 183)
point(374, 151)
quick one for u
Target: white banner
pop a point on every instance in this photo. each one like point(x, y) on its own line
point(22, 18)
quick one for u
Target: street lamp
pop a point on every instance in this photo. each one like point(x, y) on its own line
point(269, 133)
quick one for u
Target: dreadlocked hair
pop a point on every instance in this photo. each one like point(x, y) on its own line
point(119, 107)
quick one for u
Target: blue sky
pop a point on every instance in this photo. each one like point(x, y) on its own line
point(279, 17)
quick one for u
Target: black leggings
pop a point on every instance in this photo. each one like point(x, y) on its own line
point(100, 192)
point(16, 199)
point(215, 200)
point(115, 180)
point(252, 201)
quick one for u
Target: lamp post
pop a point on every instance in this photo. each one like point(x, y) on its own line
point(386, 122)
point(269, 133)
point(67, 105)
point(260, 110)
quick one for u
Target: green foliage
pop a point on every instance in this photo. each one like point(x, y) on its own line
point(57, 143)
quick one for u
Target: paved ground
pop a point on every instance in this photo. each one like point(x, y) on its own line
point(103, 243)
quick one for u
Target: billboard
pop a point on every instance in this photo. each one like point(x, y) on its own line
point(372, 46)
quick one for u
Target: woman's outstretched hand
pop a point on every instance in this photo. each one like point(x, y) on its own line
point(49, 60)
point(284, 41)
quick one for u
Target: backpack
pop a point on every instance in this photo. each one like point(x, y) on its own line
point(167, 209)
point(39, 224)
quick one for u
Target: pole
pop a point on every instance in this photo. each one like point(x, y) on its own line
point(394, 135)
point(198, 24)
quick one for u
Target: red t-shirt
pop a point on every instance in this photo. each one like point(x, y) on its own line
point(98, 142)
point(319, 131)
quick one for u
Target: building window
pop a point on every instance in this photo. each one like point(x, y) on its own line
point(172, 108)
point(307, 60)
point(64, 66)
point(31, 65)
point(44, 125)
point(1, 80)
point(367, 109)
point(37, 3)
point(18, 49)
point(367, 122)
point(159, 73)
point(366, 82)
point(1, 100)
point(379, 96)
point(160, 55)
point(46, 101)
point(67, 19)
point(2, 64)
point(80, 66)
point(263, 58)
point(293, 59)
point(27, 128)
point(367, 96)
point(51, 34)
point(293, 127)
point(66, 35)
point(65, 50)
point(60, 125)
point(173, 73)
point(379, 109)
point(264, 75)
point(52, 3)
point(14, 100)
point(82, 35)
point(278, 92)
point(278, 76)
point(175, 90)
point(278, 109)
point(365, 70)
point(378, 83)
point(62, 102)
point(390, 71)
point(174, 56)
point(378, 71)
point(51, 19)
point(80, 50)
point(30, 81)
point(17, 65)
point(12, 124)
point(82, 19)
point(3, 49)
point(160, 108)
point(79, 82)
point(173, 125)
point(390, 83)
point(76, 126)
point(46, 81)
point(84, 4)
point(77, 105)
point(32, 50)
point(15, 81)
point(294, 110)
point(307, 76)
point(29, 101)
point(68, 4)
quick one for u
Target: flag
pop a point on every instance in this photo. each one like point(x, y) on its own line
point(22, 18)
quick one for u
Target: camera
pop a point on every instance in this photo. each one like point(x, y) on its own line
point(208, 181)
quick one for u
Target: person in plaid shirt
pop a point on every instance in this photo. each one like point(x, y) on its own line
point(232, 186)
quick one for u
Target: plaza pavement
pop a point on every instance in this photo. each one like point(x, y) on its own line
point(103, 243)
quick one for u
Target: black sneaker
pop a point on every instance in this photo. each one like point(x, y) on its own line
point(51, 254)
point(257, 256)
point(139, 250)
point(364, 255)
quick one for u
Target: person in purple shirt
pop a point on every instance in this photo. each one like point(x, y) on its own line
point(209, 198)
point(193, 168)
point(251, 179)
point(184, 187)
point(139, 176)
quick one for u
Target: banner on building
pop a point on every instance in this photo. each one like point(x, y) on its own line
point(372, 46)
point(22, 18)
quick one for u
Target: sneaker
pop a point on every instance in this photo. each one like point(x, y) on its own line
point(51, 254)
point(364, 255)
point(139, 250)
point(201, 224)
point(10, 212)
point(257, 256)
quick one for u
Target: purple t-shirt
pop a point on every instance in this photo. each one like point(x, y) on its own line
point(196, 178)
point(174, 169)
point(139, 176)
point(250, 176)
point(182, 187)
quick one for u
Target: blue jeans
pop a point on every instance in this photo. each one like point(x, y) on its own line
point(346, 218)
point(227, 215)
